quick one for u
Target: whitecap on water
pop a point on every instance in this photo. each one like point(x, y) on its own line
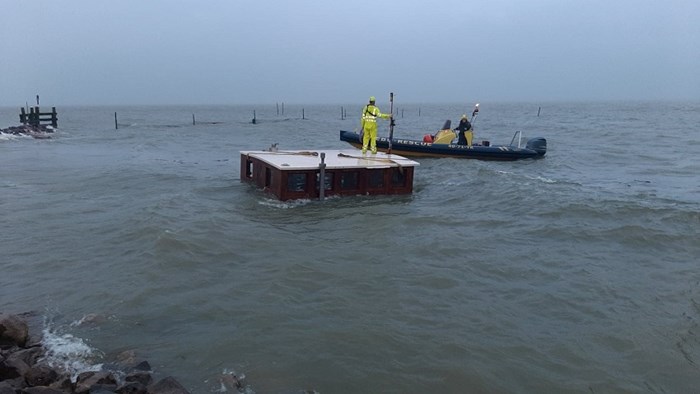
point(230, 381)
point(539, 178)
point(283, 204)
point(69, 353)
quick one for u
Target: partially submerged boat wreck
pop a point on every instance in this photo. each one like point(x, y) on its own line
point(296, 174)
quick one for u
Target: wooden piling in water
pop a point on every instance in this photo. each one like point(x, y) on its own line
point(193, 122)
point(322, 177)
point(254, 119)
point(116, 125)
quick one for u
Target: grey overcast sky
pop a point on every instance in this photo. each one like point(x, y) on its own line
point(326, 51)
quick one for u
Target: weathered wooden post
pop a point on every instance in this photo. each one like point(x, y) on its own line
point(33, 116)
point(402, 112)
point(538, 111)
point(116, 125)
point(278, 108)
point(302, 114)
point(254, 119)
point(22, 116)
point(193, 122)
point(54, 117)
point(322, 177)
point(341, 113)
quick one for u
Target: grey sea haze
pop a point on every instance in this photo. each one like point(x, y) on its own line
point(574, 273)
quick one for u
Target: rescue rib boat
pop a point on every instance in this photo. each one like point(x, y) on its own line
point(442, 146)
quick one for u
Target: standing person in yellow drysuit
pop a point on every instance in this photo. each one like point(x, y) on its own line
point(370, 113)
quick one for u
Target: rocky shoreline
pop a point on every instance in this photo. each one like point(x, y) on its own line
point(36, 131)
point(24, 368)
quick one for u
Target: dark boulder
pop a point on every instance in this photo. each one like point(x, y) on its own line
point(40, 375)
point(86, 380)
point(13, 331)
point(144, 378)
point(41, 390)
point(132, 388)
point(167, 385)
point(143, 366)
point(6, 387)
point(12, 368)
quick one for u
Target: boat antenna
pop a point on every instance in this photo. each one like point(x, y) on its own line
point(474, 113)
point(391, 120)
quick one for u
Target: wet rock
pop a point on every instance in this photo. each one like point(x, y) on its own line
point(143, 366)
point(13, 368)
point(86, 380)
point(5, 388)
point(103, 389)
point(41, 390)
point(167, 385)
point(132, 388)
point(126, 359)
point(40, 375)
point(28, 356)
point(13, 331)
point(22, 370)
point(231, 381)
point(144, 378)
point(63, 384)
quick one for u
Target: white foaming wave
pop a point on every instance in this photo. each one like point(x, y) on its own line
point(530, 177)
point(10, 137)
point(542, 179)
point(283, 204)
point(229, 380)
point(69, 353)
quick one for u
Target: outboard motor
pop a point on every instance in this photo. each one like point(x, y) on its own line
point(538, 144)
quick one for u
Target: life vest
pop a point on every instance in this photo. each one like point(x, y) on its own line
point(370, 113)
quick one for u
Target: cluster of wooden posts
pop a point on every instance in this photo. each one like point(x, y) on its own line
point(36, 118)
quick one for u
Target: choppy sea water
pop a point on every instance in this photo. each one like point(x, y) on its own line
point(574, 273)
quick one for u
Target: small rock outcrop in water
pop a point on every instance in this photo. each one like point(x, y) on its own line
point(36, 131)
point(23, 369)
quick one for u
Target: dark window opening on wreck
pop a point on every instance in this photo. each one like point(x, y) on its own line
point(397, 177)
point(249, 168)
point(375, 179)
point(349, 180)
point(268, 177)
point(296, 182)
point(327, 182)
